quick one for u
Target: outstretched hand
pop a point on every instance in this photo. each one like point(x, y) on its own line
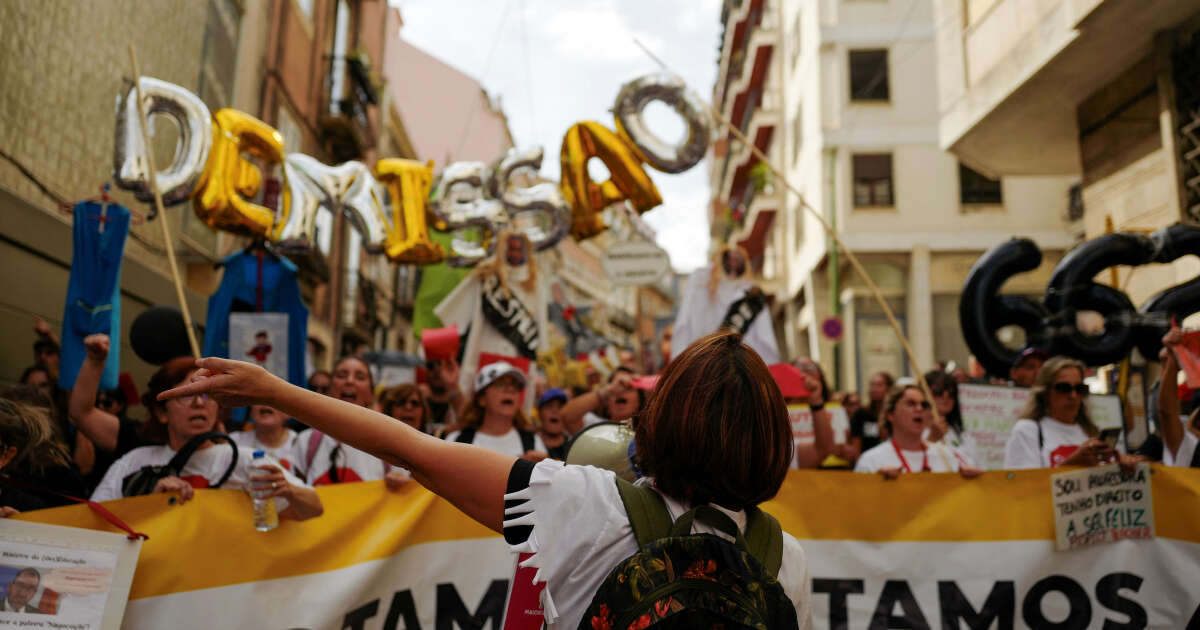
point(230, 383)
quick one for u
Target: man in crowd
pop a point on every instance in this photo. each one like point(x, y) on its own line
point(21, 589)
point(1025, 369)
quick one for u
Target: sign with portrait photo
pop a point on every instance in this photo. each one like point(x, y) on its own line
point(64, 577)
point(260, 338)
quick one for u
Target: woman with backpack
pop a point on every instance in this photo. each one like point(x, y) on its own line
point(322, 459)
point(713, 442)
point(176, 425)
point(494, 420)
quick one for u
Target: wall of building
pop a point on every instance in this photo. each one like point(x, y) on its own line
point(58, 122)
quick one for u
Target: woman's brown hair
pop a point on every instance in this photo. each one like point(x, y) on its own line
point(716, 429)
point(400, 393)
point(167, 376)
point(1039, 399)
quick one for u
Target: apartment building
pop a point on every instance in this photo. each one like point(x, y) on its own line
point(1104, 91)
point(842, 95)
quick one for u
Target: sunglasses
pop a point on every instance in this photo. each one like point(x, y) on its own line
point(1067, 388)
point(924, 404)
point(411, 403)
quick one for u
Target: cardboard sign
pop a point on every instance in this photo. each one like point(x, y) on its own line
point(989, 412)
point(635, 263)
point(524, 610)
point(1101, 505)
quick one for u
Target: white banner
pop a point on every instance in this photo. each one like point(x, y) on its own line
point(924, 551)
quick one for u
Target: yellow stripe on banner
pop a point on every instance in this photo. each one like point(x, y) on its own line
point(210, 541)
point(927, 507)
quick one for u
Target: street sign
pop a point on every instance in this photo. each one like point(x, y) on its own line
point(832, 328)
point(635, 263)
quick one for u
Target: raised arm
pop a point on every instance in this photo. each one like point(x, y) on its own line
point(101, 427)
point(1168, 393)
point(472, 478)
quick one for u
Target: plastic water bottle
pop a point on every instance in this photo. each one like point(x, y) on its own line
point(265, 517)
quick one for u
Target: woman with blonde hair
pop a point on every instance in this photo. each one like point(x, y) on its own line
point(27, 437)
point(1055, 428)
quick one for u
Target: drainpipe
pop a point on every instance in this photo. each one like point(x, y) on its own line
point(835, 301)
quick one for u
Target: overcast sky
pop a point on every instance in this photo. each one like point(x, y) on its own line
point(555, 63)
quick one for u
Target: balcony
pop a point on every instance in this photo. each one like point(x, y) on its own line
point(344, 123)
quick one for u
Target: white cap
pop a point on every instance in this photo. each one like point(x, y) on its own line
point(492, 371)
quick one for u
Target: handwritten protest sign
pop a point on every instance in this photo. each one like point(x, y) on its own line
point(989, 412)
point(1100, 504)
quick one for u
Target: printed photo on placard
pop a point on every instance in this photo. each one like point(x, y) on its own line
point(59, 577)
point(260, 338)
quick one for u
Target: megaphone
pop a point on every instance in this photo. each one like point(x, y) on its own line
point(606, 445)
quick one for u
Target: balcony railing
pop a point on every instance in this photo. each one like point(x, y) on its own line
point(345, 122)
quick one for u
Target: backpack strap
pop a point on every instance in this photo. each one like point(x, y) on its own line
point(466, 436)
point(651, 521)
point(314, 440)
point(181, 458)
point(764, 539)
point(526, 440)
point(647, 512)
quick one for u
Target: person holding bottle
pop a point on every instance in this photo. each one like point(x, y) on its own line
point(173, 423)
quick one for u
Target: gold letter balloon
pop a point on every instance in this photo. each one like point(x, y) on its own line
point(627, 179)
point(220, 197)
point(408, 183)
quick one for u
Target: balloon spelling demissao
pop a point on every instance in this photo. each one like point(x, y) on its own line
point(389, 203)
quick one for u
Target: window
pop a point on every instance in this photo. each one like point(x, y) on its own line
point(293, 137)
point(975, 188)
point(869, 75)
point(797, 131)
point(873, 180)
point(796, 38)
point(306, 7)
point(353, 256)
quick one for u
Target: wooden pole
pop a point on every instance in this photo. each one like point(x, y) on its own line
point(858, 268)
point(158, 204)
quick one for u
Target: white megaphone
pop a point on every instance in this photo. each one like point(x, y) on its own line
point(604, 445)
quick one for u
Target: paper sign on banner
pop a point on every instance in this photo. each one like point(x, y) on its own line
point(524, 611)
point(1100, 505)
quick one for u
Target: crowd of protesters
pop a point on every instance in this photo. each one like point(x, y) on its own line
point(56, 444)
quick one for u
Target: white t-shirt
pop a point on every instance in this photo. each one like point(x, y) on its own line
point(1059, 441)
point(962, 442)
point(462, 308)
point(202, 470)
point(285, 453)
point(508, 444)
point(352, 464)
point(581, 531)
point(1187, 450)
point(936, 457)
point(700, 315)
point(591, 417)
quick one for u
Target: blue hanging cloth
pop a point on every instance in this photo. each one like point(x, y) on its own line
point(93, 303)
point(239, 293)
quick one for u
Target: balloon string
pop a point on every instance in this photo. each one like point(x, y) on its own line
point(854, 262)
